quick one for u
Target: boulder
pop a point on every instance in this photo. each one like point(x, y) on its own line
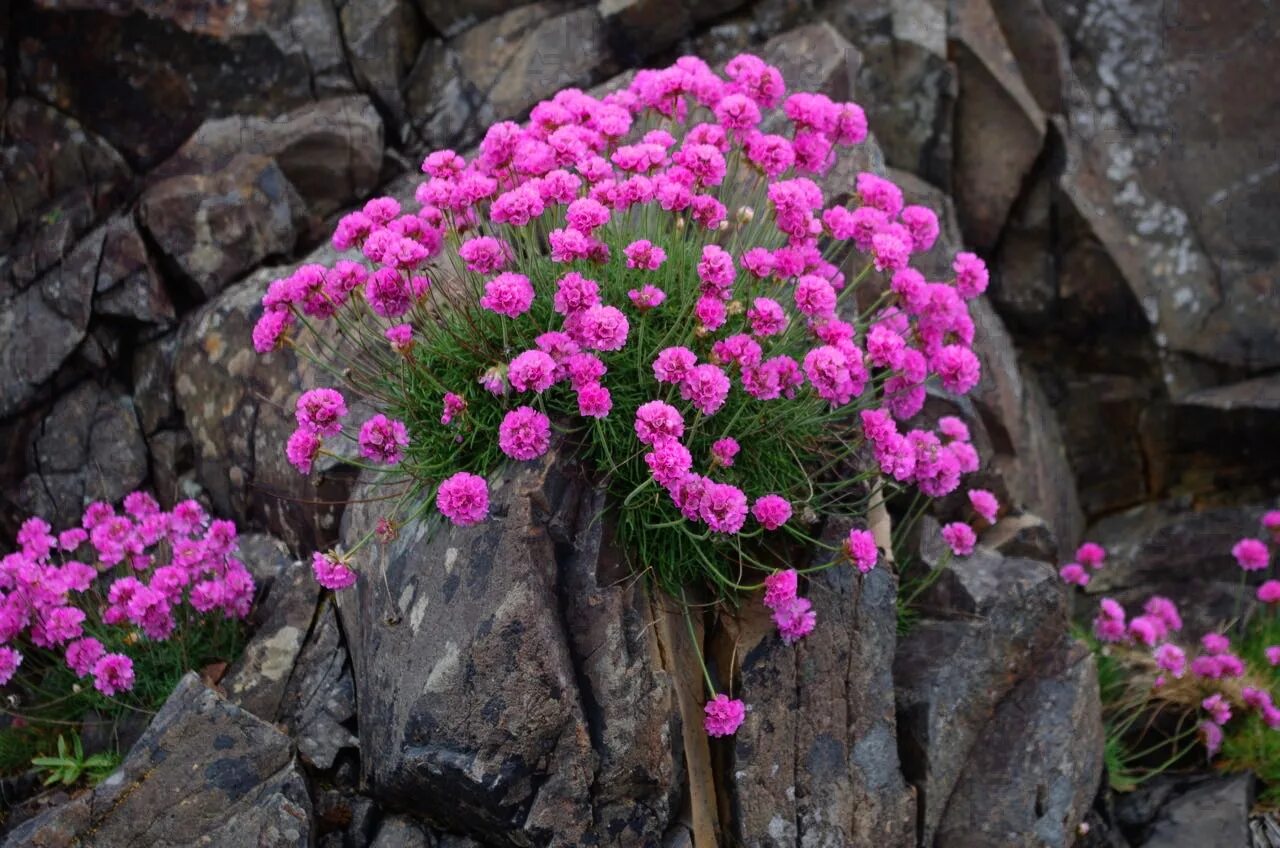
point(127, 284)
point(382, 39)
point(508, 679)
point(215, 227)
point(1215, 812)
point(320, 700)
point(89, 447)
point(204, 773)
point(182, 61)
point(1035, 768)
point(987, 622)
point(330, 151)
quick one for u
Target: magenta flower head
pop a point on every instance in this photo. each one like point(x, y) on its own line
point(1215, 643)
point(1271, 522)
point(454, 405)
point(603, 328)
point(508, 294)
point(795, 620)
point(1091, 554)
point(524, 433)
point(1218, 708)
point(724, 450)
point(1074, 573)
point(971, 275)
point(1273, 654)
point(332, 571)
point(780, 587)
point(724, 715)
point(862, 549)
point(772, 511)
point(594, 401)
point(1251, 554)
point(959, 537)
point(1109, 624)
point(301, 450)
point(985, 504)
point(383, 439)
point(1269, 592)
point(463, 499)
point(673, 364)
point(1171, 658)
point(321, 411)
point(723, 507)
point(83, 655)
point(657, 420)
point(10, 659)
point(1211, 735)
point(1165, 610)
point(113, 674)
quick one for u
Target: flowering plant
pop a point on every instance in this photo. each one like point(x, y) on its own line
point(655, 277)
point(1217, 691)
point(108, 615)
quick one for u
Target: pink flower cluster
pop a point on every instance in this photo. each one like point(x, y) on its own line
point(1089, 556)
point(147, 563)
point(793, 615)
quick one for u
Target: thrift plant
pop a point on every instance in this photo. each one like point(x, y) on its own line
point(655, 279)
point(1166, 698)
point(107, 616)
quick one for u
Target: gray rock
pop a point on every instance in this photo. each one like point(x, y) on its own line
point(1213, 813)
point(1035, 768)
point(321, 697)
point(185, 62)
point(127, 284)
point(265, 556)
point(153, 383)
point(330, 151)
point(215, 227)
point(662, 24)
point(450, 17)
point(402, 832)
point(205, 773)
point(987, 621)
point(1023, 535)
point(89, 447)
point(816, 761)
point(172, 459)
point(448, 624)
point(382, 38)
point(257, 680)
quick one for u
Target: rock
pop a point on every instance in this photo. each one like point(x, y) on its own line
point(153, 383)
point(321, 698)
point(89, 447)
point(579, 720)
point(330, 151)
point(401, 832)
point(185, 62)
point(172, 462)
point(817, 758)
point(450, 17)
point(382, 38)
point(1035, 768)
point(1025, 536)
point(59, 180)
point(127, 284)
point(499, 69)
point(1166, 549)
point(999, 127)
point(257, 680)
point(215, 227)
point(238, 407)
point(988, 622)
point(204, 773)
point(662, 25)
point(905, 83)
point(1262, 393)
point(1164, 167)
point(266, 557)
point(1039, 48)
point(1214, 813)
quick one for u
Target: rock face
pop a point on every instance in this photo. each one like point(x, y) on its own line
point(461, 623)
point(1215, 813)
point(204, 773)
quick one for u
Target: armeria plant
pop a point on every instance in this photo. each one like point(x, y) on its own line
point(106, 616)
point(1165, 698)
point(654, 277)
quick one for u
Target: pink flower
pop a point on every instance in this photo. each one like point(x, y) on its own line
point(1091, 554)
point(1257, 699)
point(1073, 572)
point(10, 659)
point(647, 297)
point(533, 371)
point(463, 499)
point(1109, 624)
point(1251, 554)
point(710, 312)
point(923, 226)
point(780, 587)
point(584, 369)
point(706, 387)
point(985, 504)
point(1271, 521)
point(332, 571)
point(716, 271)
point(594, 401)
point(113, 674)
point(383, 439)
point(862, 549)
point(1165, 610)
point(673, 364)
point(320, 411)
point(1211, 735)
point(960, 537)
point(656, 420)
point(587, 215)
point(1218, 707)
point(1269, 592)
point(524, 433)
point(1215, 643)
point(401, 338)
point(575, 293)
point(669, 462)
point(772, 511)
point(387, 293)
point(971, 275)
point(958, 368)
point(723, 507)
point(767, 317)
point(814, 296)
point(795, 620)
point(645, 255)
point(454, 405)
point(603, 328)
point(1273, 654)
point(723, 715)
point(485, 254)
point(724, 450)
point(1171, 658)
point(508, 294)
point(1146, 630)
point(301, 450)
